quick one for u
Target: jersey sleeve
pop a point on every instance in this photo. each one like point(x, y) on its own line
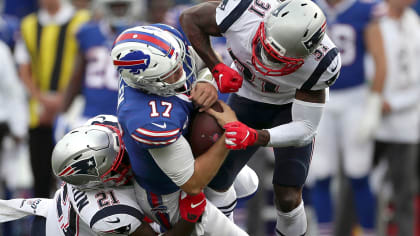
point(327, 70)
point(90, 35)
point(176, 161)
point(155, 134)
point(228, 12)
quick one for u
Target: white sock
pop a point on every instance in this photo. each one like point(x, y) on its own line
point(225, 201)
point(293, 223)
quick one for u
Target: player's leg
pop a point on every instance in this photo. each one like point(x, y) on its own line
point(291, 170)
point(244, 186)
point(357, 163)
point(164, 209)
point(246, 183)
point(237, 159)
point(41, 146)
point(38, 226)
point(402, 173)
point(323, 168)
point(215, 223)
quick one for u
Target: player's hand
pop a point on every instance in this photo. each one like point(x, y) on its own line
point(50, 106)
point(228, 80)
point(228, 115)
point(204, 95)
point(192, 207)
point(239, 136)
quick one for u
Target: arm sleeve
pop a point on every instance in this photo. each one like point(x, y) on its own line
point(305, 120)
point(175, 160)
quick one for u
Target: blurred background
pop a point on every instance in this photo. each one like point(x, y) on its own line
point(55, 72)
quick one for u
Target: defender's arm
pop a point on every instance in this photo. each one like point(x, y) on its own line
point(199, 23)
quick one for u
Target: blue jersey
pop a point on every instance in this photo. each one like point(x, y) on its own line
point(100, 87)
point(9, 28)
point(152, 121)
point(346, 24)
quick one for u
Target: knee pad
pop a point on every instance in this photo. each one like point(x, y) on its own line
point(246, 183)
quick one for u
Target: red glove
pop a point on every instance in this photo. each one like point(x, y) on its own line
point(239, 136)
point(228, 79)
point(192, 207)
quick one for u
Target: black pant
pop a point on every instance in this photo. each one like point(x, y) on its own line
point(41, 146)
point(4, 130)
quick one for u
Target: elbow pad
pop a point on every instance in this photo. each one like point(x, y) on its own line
point(305, 120)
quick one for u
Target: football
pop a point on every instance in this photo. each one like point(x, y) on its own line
point(204, 131)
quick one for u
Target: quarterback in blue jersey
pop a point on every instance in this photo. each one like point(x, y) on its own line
point(157, 88)
point(352, 25)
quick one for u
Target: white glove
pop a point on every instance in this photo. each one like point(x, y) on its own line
point(371, 118)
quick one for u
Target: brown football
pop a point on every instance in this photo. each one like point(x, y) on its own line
point(204, 131)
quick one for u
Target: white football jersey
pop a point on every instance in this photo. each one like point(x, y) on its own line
point(94, 212)
point(238, 21)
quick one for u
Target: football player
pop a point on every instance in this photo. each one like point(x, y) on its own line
point(97, 197)
point(154, 108)
point(354, 27)
point(283, 66)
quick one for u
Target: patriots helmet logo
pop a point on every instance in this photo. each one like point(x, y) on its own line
point(82, 167)
point(135, 61)
point(313, 41)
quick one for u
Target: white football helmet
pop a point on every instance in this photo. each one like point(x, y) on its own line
point(92, 157)
point(147, 56)
point(291, 32)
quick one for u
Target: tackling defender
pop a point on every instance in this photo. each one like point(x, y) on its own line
point(97, 197)
point(288, 63)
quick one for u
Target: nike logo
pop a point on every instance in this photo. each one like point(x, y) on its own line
point(160, 126)
point(333, 69)
point(114, 221)
point(196, 205)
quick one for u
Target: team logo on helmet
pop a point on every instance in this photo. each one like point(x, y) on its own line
point(312, 42)
point(135, 61)
point(82, 167)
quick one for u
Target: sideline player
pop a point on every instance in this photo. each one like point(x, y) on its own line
point(157, 69)
point(286, 79)
point(353, 26)
point(94, 74)
point(97, 196)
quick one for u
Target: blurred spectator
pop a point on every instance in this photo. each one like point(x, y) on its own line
point(353, 28)
point(156, 10)
point(398, 133)
point(20, 8)
point(94, 74)
point(9, 29)
point(13, 112)
point(46, 55)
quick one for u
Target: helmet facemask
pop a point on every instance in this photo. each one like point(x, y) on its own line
point(120, 171)
point(268, 60)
